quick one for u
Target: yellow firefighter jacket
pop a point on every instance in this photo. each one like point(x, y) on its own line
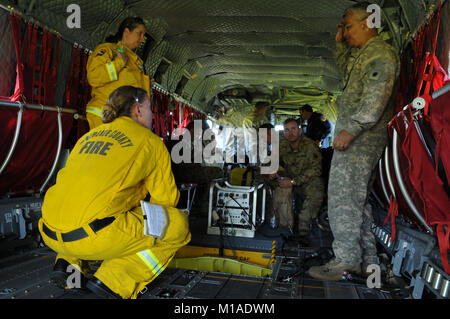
point(110, 169)
point(106, 71)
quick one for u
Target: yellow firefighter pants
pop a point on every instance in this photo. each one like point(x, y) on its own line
point(130, 259)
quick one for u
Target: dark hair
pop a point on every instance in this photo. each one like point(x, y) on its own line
point(307, 108)
point(289, 120)
point(191, 124)
point(120, 102)
point(131, 23)
point(261, 105)
point(267, 125)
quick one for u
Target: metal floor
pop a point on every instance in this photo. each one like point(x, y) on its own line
point(26, 275)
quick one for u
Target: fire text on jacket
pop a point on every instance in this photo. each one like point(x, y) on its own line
point(120, 137)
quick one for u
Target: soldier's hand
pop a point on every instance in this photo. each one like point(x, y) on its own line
point(343, 140)
point(273, 176)
point(340, 32)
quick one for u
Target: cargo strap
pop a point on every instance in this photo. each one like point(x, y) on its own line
point(73, 81)
point(34, 68)
point(15, 26)
point(79, 233)
point(50, 74)
point(85, 92)
point(392, 213)
point(443, 235)
point(427, 69)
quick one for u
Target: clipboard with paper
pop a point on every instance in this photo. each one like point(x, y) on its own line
point(156, 219)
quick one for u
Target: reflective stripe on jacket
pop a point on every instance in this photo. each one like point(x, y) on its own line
point(106, 71)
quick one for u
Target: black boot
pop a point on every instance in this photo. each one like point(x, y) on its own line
point(60, 275)
point(101, 290)
point(304, 240)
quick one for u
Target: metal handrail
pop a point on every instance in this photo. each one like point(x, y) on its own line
point(388, 172)
point(39, 107)
point(441, 91)
point(242, 188)
point(16, 137)
point(418, 104)
point(401, 184)
point(383, 185)
point(58, 153)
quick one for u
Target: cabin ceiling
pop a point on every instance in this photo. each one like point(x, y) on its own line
point(278, 51)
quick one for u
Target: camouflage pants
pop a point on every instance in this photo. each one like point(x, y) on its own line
point(312, 191)
point(349, 212)
point(282, 200)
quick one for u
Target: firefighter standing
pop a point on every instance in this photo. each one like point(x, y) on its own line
point(114, 64)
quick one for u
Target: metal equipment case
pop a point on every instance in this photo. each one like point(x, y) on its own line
point(234, 210)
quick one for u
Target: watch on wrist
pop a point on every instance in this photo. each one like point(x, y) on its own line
point(292, 182)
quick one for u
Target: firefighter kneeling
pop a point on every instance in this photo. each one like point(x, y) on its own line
point(93, 211)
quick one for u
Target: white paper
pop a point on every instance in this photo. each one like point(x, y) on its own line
point(155, 219)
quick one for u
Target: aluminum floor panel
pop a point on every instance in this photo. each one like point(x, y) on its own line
point(26, 276)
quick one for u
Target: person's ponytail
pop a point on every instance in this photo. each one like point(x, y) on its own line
point(120, 102)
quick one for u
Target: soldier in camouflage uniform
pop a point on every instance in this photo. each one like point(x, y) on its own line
point(302, 162)
point(245, 119)
point(364, 110)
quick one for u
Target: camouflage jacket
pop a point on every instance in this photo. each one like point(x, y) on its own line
point(254, 120)
point(243, 116)
point(235, 116)
point(370, 74)
point(302, 163)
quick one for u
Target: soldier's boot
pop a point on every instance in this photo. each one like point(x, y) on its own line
point(304, 241)
point(304, 235)
point(333, 270)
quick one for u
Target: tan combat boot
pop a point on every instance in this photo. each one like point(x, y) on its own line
point(333, 270)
